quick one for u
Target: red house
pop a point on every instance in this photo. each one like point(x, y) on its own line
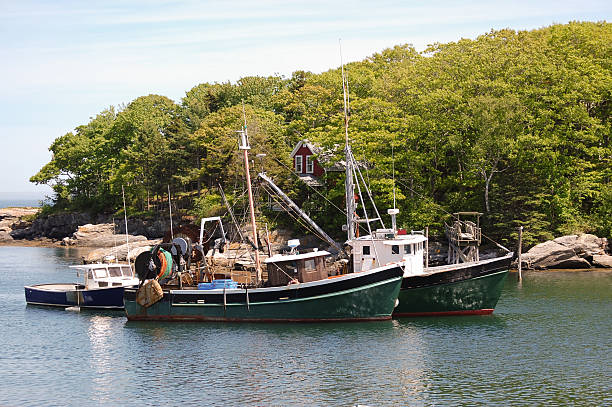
point(310, 168)
point(304, 162)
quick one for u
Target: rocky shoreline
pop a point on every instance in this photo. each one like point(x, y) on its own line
point(20, 227)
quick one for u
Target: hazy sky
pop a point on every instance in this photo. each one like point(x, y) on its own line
point(63, 62)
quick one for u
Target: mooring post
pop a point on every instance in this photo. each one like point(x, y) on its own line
point(427, 247)
point(520, 249)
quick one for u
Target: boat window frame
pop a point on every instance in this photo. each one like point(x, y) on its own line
point(395, 249)
point(97, 273)
point(127, 272)
point(115, 268)
point(407, 249)
point(308, 262)
point(365, 248)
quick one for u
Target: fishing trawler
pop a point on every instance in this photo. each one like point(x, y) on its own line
point(298, 287)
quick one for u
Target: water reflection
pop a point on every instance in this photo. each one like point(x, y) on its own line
point(103, 344)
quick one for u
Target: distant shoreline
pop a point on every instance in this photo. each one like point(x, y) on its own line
point(32, 243)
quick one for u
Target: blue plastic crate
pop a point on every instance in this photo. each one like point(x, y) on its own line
point(227, 283)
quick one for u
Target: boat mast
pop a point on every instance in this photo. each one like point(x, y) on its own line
point(244, 146)
point(349, 187)
point(127, 236)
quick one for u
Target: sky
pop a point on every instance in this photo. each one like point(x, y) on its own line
point(63, 62)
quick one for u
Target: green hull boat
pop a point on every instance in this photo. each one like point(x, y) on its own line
point(459, 289)
point(370, 295)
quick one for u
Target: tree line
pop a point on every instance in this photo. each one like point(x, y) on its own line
point(513, 124)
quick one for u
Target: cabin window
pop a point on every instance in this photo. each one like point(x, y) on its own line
point(366, 250)
point(100, 273)
point(127, 272)
point(407, 249)
point(309, 164)
point(309, 265)
point(298, 163)
point(89, 275)
point(114, 271)
point(394, 249)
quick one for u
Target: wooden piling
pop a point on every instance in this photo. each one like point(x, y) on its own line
point(427, 247)
point(520, 249)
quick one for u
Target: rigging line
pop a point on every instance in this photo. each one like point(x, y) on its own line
point(291, 171)
point(238, 230)
point(229, 209)
point(367, 190)
point(316, 191)
point(291, 213)
point(365, 212)
point(442, 209)
point(399, 181)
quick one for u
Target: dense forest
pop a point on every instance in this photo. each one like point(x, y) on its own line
point(514, 124)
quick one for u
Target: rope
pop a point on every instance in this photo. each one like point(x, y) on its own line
point(290, 212)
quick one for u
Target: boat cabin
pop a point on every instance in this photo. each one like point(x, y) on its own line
point(385, 247)
point(304, 267)
point(103, 275)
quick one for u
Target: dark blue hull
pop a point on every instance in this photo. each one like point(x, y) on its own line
point(70, 295)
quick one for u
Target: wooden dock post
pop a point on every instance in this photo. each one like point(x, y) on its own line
point(520, 249)
point(427, 247)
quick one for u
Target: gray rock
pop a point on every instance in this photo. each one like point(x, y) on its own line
point(102, 235)
point(583, 245)
point(602, 260)
point(5, 236)
point(120, 252)
point(553, 255)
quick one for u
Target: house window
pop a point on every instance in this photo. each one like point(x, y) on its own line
point(298, 164)
point(366, 250)
point(309, 164)
point(394, 249)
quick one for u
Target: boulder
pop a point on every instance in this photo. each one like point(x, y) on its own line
point(602, 260)
point(572, 251)
point(101, 235)
point(552, 255)
point(583, 245)
point(120, 252)
point(5, 236)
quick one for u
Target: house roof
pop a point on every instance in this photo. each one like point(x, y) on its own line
point(325, 157)
point(313, 148)
point(310, 180)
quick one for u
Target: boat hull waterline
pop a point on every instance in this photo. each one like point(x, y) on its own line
point(72, 295)
point(462, 289)
point(353, 297)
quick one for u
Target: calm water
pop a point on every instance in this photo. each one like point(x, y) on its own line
point(548, 343)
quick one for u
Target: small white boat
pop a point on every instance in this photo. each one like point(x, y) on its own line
point(102, 287)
